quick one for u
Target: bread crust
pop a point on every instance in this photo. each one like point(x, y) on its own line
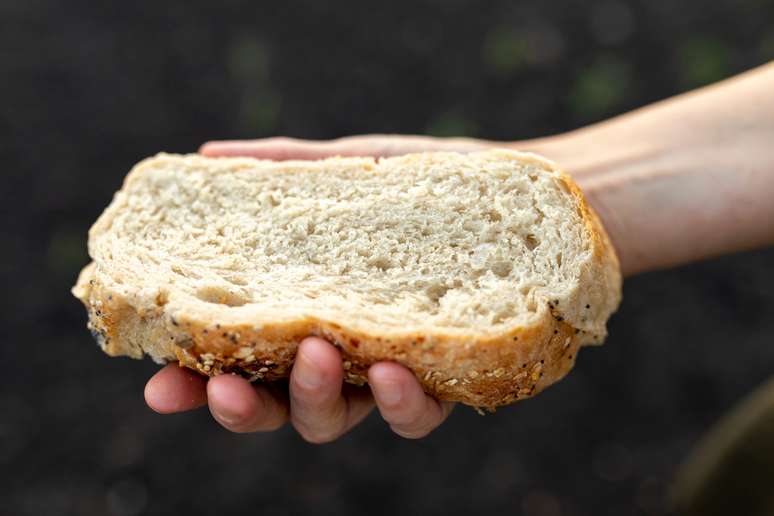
point(480, 370)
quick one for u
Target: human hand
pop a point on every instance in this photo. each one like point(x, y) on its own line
point(666, 195)
point(316, 401)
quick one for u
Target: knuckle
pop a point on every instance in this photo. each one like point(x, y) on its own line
point(309, 397)
point(320, 398)
point(300, 391)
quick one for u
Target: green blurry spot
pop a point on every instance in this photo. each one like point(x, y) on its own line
point(259, 105)
point(66, 252)
point(452, 123)
point(259, 112)
point(600, 87)
point(248, 59)
point(505, 50)
point(702, 60)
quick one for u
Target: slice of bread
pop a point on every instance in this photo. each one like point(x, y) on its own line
point(482, 273)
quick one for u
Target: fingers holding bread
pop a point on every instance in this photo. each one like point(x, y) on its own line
point(402, 403)
point(321, 409)
point(175, 389)
point(242, 407)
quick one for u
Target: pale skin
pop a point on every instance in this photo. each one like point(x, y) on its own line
point(681, 180)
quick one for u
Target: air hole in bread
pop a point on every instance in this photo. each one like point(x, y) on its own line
point(381, 262)
point(494, 216)
point(502, 268)
point(162, 298)
point(185, 273)
point(221, 296)
point(267, 200)
point(531, 242)
point(474, 226)
point(436, 291)
point(236, 280)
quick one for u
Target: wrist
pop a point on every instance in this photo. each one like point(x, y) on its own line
point(584, 164)
point(668, 203)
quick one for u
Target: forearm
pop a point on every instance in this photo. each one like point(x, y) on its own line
point(684, 179)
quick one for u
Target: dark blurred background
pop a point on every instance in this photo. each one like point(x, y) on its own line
point(89, 88)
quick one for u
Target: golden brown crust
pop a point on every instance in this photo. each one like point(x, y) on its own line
point(479, 372)
point(478, 369)
point(605, 270)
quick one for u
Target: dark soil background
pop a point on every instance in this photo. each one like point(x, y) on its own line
point(89, 88)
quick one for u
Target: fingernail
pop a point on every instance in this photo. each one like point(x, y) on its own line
point(389, 393)
point(309, 374)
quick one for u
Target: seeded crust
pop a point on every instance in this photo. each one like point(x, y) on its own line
point(478, 369)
